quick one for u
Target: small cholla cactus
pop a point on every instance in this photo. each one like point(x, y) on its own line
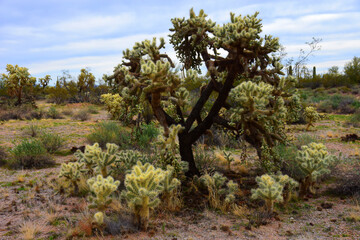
point(104, 160)
point(269, 190)
point(289, 185)
point(229, 159)
point(143, 186)
point(99, 218)
point(72, 172)
point(169, 185)
point(88, 156)
point(102, 188)
point(313, 160)
point(311, 116)
point(217, 192)
point(127, 159)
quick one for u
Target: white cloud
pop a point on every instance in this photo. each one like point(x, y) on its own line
point(98, 45)
point(95, 25)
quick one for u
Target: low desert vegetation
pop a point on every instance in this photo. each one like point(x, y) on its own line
point(158, 153)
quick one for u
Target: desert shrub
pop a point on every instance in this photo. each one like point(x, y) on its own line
point(304, 139)
point(81, 115)
point(145, 134)
point(25, 111)
point(51, 142)
point(3, 156)
point(53, 113)
point(355, 119)
point(287, 155)
point(92, 109)
point(204, 161)
point(30, 154)
point(67, 112)
point(110, 132)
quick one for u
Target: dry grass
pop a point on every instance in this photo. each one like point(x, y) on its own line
point(29, 230)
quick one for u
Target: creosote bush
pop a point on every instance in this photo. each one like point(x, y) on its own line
point(52, 142)
point(30, 154)
point(81, 115)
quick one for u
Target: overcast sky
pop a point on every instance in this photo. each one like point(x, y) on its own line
point(48, 36)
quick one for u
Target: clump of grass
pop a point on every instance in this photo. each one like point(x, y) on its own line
point(3, 156)
point(110, 132)
point(51, 142)
point(355, 119)
point(32, 130)
point(145, 134)
point(81, 115)
point(304, 139)
point(29, 230)
point(53, 113)
point(30, 154)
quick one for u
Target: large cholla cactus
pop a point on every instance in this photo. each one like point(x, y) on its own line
point(217, 192)
point(72, 172)
point(311, 116)
point(269, 190)
point(314, 161)
point(243, 78)
point(143, 186)
point(102, 188)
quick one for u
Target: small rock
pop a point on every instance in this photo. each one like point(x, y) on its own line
point(333, 220)
point(289, 233)
point(311, 224)
point(326, 205)
point(292, 220)
point(248, 227)
point(277, 218)
point(319, 208)
point(213, 228)
point(294, 212)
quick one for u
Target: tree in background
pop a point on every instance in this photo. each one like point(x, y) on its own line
point(16, 80)
point(45, 81)
point(85, 84)
point(352, 70)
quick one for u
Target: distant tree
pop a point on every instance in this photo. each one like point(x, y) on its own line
point(45, 81)
point(243, 90)
point(86, 80)
point(16, 80)
point(352, 70)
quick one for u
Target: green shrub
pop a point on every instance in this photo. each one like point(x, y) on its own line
point(68, 112)
point(53, 113)
point(30, 154)
point(355, 119)
point(304, 139)
point(51, 142)
point(145, 134)
point(81, 115)
point(3, 156)
point(110, 132)
point(92, 109)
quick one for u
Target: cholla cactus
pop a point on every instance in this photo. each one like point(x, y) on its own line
point(229, 159)
point(104, 160)
point(102, 188)
point(314, 161)
point(217, 191)
point(99, 218)
point(288, 184)
point(311, 116)
point(169, 185)
point(94, 157)
point(126, 159)
point(72, 172)
point(269, 190)
point(143, 186)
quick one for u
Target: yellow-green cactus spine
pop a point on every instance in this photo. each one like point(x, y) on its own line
point(99, 218)
point(72, 172)
point(88, 156)
point(104, 160)
point(102, 188)
point(269, 190)
point(314, 160)
point(143, 186)
point(289, 186)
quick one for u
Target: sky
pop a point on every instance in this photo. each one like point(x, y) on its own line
point(48, 36)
